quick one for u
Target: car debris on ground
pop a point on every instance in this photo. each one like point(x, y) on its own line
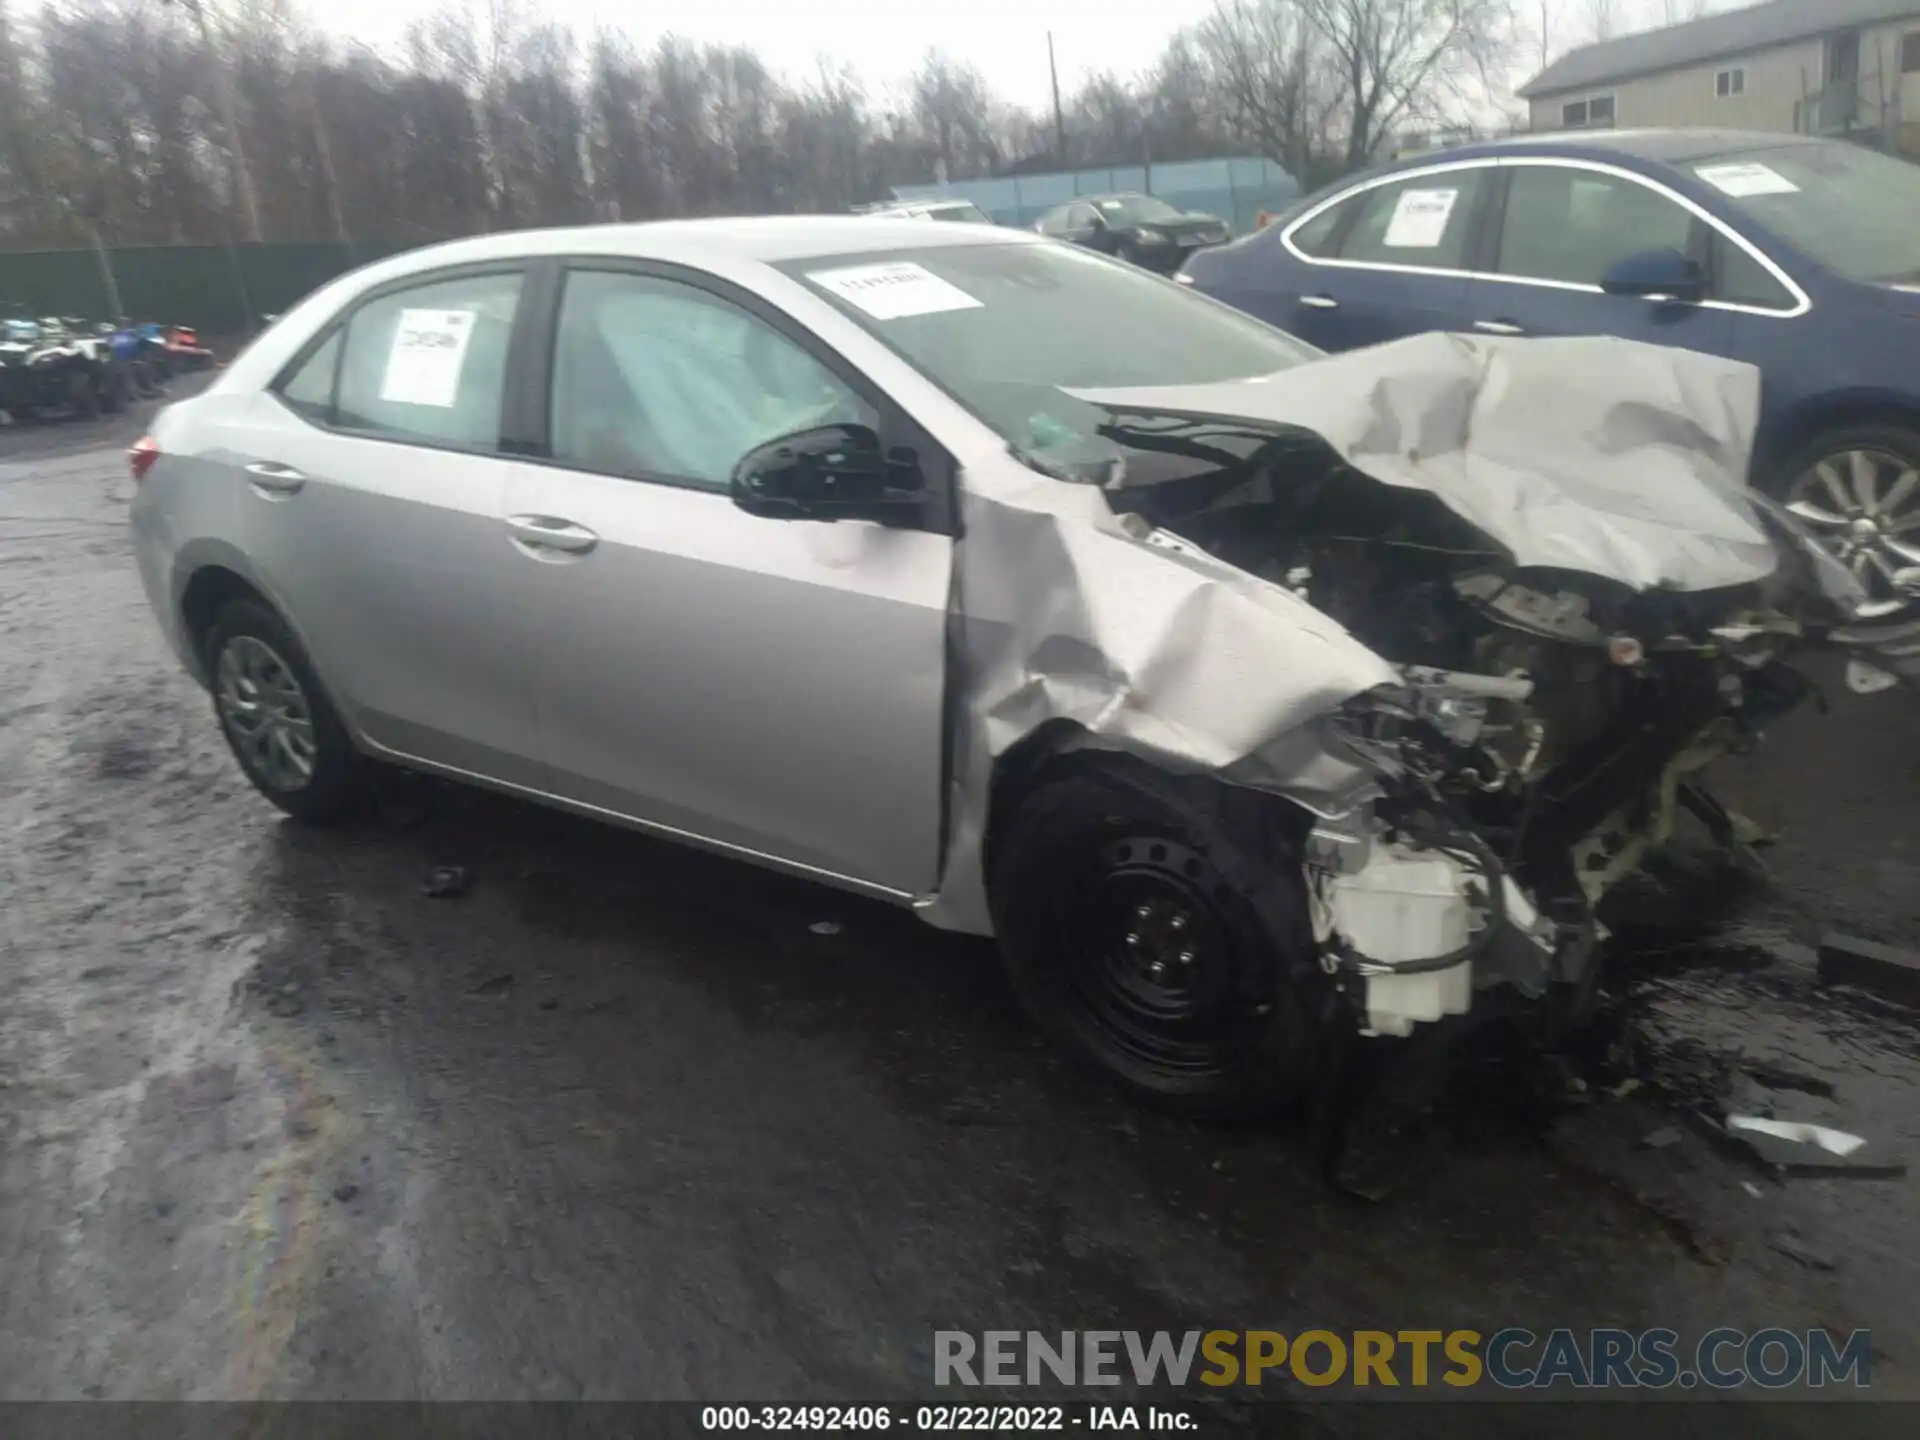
point(1801, 1149)
point(1889, 971)
point(447, 882)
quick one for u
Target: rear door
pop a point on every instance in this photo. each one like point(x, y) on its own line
point(1387, 261)
point(373, 484)
point(1561, 226)
point(769, 686)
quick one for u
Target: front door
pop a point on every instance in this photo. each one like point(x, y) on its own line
point(1562, 229)
point(773, 686)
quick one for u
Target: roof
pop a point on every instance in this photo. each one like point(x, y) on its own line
point(1733, 32)
point(1666, 146)
point(764, 238)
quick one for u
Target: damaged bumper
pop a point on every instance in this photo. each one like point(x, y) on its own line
point(1483, 610)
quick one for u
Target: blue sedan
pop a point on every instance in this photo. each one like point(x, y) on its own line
point(1800, 256)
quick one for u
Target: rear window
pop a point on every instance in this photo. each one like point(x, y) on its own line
point(1851, 209)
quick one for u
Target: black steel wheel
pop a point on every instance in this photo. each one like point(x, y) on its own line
point(1129, 938)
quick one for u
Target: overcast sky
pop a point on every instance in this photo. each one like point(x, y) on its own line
point(884, 40)
point(1006, 39)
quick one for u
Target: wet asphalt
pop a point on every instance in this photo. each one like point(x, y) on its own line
point(622, 1122)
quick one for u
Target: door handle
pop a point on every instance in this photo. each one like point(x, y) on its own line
point(1320, 302)
point(274, 478)
point(1498, 327)
point(549, 532)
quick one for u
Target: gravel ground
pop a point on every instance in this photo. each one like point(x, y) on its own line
point(620, 1124)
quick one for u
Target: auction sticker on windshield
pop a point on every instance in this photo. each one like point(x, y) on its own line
point(894, 291)
point(1747, 178)
point(1420, 219)
point(429, 347)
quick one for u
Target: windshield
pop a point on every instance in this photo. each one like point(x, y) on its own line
point(1800, 191)
point(1136, 209)
point(1005, 329)
point(968, 214)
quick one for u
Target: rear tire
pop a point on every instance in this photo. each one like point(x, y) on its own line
point(276, 716)
point(1127, 942)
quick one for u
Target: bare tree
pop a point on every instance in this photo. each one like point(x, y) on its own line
point(1603, 18)
point(1271, 69)
point(1676, 12)
point(111, 131)
point(952, 111)
point(1400, 60)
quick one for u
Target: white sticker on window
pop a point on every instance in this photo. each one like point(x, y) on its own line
point(429, 347)
point(1747, 178)
point(894, 291)
point(1420, 219)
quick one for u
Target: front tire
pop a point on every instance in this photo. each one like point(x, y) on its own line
point(1127, 941)
point(1857, 489)
point(276, 717)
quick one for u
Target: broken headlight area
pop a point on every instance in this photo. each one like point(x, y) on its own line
point(1511, 801)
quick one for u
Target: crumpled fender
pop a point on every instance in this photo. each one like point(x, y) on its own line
point(1609, 457)
point(1060, 613)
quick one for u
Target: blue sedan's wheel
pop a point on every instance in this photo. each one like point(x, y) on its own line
point(1858, 493)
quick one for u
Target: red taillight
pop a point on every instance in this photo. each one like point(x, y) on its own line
point(141, 455)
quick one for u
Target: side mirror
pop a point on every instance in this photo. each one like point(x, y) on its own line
point(1659, 275)
point(832, 472)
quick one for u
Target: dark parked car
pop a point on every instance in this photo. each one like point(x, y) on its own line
point(1800, 256)
point(1139, 228)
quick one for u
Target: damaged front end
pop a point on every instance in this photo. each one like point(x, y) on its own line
point(1551, 546)
point(1512, 797)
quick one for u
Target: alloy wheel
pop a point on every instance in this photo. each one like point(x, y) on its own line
point(1863, 506)
point(266, 712)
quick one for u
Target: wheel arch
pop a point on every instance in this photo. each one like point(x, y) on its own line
point(1256, 826)
point(1806, 422)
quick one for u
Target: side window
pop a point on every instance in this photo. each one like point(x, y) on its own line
point(1080, 217)
point(309, 390)
point(1740, 279)
point(1315, 238)
point(1573, 225)
point(655, 378)
point(1423, 221)
point(428, 363)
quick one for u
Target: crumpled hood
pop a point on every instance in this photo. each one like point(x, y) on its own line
point(1611, 457)
point(1603, 456)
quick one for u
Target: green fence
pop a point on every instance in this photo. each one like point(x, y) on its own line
point(221, 289)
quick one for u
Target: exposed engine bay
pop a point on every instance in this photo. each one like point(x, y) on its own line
point(1547, 726)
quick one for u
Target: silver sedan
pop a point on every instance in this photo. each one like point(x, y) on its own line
point(1241, 692)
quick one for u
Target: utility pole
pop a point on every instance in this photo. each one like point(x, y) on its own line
point(1059, 117)
point(229, 108)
